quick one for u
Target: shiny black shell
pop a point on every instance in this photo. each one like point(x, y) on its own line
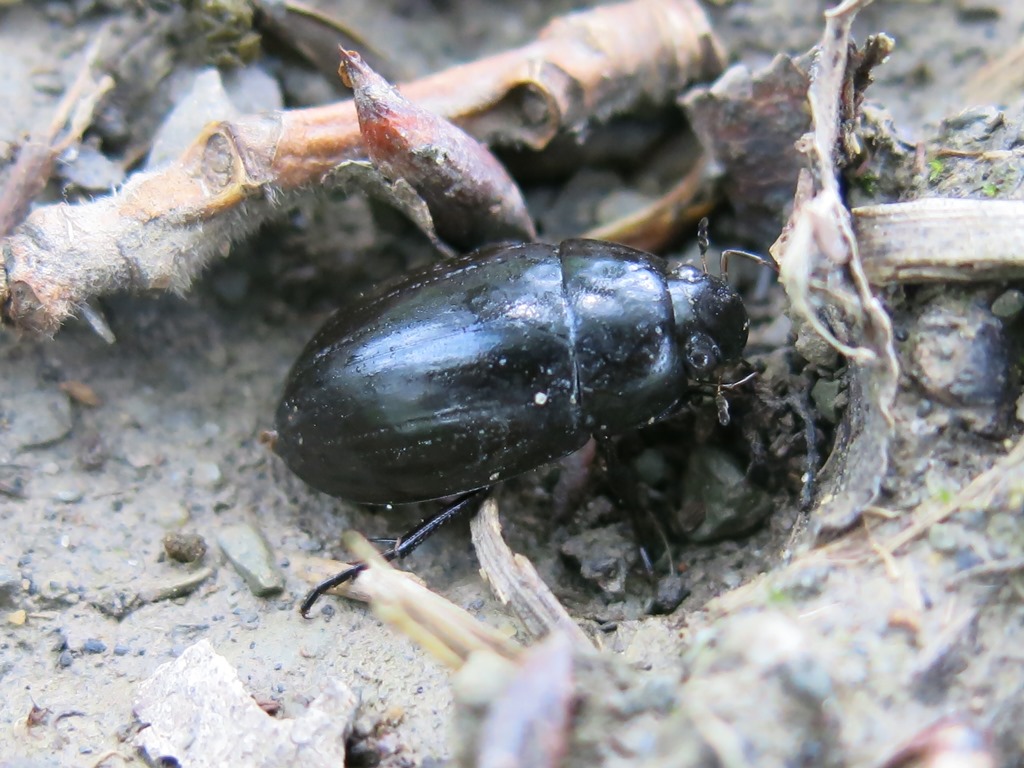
point(480, 368)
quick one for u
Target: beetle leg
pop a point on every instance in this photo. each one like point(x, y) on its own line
point(328, 584)
point(623, 484)
point(402, 546)
point(409, 541)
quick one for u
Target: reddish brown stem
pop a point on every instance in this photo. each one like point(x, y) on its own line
point(472, 199)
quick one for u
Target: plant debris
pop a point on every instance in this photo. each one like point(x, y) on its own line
point(162, 227)
point(821, 268)
point(471, 198)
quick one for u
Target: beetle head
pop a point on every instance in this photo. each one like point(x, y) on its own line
point(711, 321)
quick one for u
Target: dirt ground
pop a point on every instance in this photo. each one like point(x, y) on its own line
point(878, 648)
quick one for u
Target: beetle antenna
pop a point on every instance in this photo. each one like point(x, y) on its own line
point(703, 241)
point(733, 384)
point(713, 387)
point(720, 400)
point(764, 261)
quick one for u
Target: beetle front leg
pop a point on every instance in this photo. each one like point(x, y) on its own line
point(623, 483)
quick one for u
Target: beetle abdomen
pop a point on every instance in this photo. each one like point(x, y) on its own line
point(441, 385)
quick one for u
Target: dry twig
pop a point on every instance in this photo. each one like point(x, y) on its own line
point(1000, 485)
point(941, 239)
point(515, 581)
point(438, 626)
point(34, 166)
point(821, 267)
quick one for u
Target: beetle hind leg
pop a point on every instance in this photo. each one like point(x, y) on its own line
point(328, 584)
point(401, 546)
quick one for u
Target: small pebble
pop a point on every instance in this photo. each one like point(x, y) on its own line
point(604, 555)
point(231, 287)
point(1008, 305)
point(48, 81)
point(169, 514)
point(960, 352)
point(10, 587)
point(91, 452)
point(942, 537)
point(671, 591)
point(81, 392)
point(185, 547)
point(89, 168)
point(17, 618)
point(92, 645)
point(715, 484)
point(141, 456)
point(814, 349)
point(246, 549)
point(204, 102)
point(731, 579)
point(967, 558)
point(68, 495)
point(13, 482)
point(825, 395)
point(253, 89)
point(207, 474)
point(121, 650)
point(65, 658)
point(652, 467)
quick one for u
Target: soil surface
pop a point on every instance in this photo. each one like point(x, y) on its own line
point(105, 449)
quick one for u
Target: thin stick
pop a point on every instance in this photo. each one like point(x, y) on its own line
point(32, 170)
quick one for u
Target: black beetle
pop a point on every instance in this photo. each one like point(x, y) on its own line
point(477, 369)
